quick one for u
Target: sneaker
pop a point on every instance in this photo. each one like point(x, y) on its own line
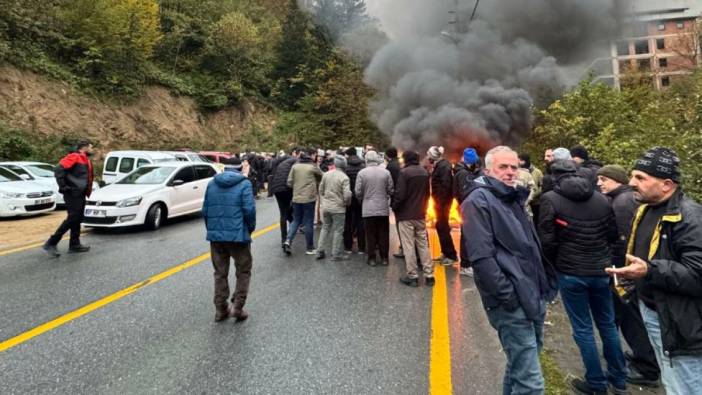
point(311, 252)
point(222, 313)
point(439, 258)
point(429, 281)
point(448, 262)
point(320, 255)
point(618, 391)
point(238, 313)
point(370, 262)
point(348, 252)
point(79, 248)
point(635, 377)
point(286, 248)
point(410, 282)
point(466, 271)
point(384, 262)
point(360, 252)
point(50, 250)
point(342, 257)
point(399, 255)
point(581, 386)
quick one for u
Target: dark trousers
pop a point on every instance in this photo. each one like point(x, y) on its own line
point(465, 262)
point(222, 253)
point(629, 320)
point(284, 200)
point(443, 229)
point(354, 227)
point(377, 236)
point(75, 209)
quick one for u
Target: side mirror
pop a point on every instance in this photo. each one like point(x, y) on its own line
point(25, 177)
point(176, 183)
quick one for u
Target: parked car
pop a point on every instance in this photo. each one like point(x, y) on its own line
point(20, 197)
point(120, 163)
point(150, 194)
point(188, 156)
point(215, 156)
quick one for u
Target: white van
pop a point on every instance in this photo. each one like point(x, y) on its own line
point(120, 163)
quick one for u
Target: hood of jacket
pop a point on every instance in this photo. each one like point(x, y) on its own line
point(498, 188)
point(569, 183)
point(229, 179)
point(354, 161)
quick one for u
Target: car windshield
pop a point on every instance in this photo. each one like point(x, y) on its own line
point(148, 175)
point(198, 158)
point(46, 171)
point(7, 176)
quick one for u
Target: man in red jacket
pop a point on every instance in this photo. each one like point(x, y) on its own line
point(74, 175)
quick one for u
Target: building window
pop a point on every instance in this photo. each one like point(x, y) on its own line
point(665, 81)
point(680, 24)
point(623, 48)
point(641, 47)
point(663, 63)
point(644, 64)
point(661, 26)
point(660, 43)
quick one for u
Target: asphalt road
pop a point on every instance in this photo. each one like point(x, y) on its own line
point(316, 327)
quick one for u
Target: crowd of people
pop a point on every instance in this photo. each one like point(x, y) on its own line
point(623, 249)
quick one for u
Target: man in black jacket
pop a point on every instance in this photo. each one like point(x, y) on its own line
point(74, 176)
point(279, 187)
point(464, 174)
point(514, 283)
point(442, 192)
point(643, 368)
point(354, 214)
point(665, 260)
point(409, 204)
point(394, 168)
point(576, 228)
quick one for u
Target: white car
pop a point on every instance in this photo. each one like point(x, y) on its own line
point(19, 197)
point(120, 163)
point(41, 173)
point(149, 195)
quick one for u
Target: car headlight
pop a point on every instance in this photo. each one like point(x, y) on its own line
point(129, 202)
point(11, 195)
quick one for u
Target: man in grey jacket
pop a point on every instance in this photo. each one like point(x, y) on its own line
point(335, 196)
point(303, 179)
point(374, 187)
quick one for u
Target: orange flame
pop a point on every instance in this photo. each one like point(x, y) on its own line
point(455, 219)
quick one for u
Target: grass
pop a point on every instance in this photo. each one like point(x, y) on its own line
point(555, 381)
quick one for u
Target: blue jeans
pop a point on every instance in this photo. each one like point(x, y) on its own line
point(583, 296)
point(680, 375)
point(522, 340)
point(303, 214)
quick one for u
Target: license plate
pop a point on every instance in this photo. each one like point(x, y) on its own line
point(95, 213)
point(42, 201)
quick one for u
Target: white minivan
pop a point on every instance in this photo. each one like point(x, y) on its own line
point(120, 163)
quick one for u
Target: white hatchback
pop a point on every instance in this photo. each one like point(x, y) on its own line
point(149, 195)
point(19, 197)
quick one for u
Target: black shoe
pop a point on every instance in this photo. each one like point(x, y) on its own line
point(320, 255)
point(429, 281)
point(286, 248)
point(581, 386)
point(635, 377)
point(50, 250)
point(618, 391)
point(79, 248)
point(411, 282)
point(399, 255)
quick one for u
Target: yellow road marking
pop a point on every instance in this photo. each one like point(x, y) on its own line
point(440, 359)
point(33, 245)
point(55, 323)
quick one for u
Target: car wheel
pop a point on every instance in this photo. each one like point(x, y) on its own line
point(154, 217)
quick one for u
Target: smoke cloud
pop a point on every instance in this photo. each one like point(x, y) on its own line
point(463, 85)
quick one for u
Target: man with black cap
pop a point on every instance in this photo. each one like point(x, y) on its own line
point(665, 261)
point(464, 173)
point(643, 368)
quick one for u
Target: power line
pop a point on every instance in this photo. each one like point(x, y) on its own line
point(475, 9)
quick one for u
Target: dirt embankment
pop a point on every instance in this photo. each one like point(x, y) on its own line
point(157, 120)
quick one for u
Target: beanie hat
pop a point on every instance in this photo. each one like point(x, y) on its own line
point(660, 162)
point(372, 158)
point(233, 163)
point(614, 172)
point(470, 156)
point(561, 154)
point(435, 152)
point(410, 158)
point(579, 151)
point(340, 162)
point(527, 160)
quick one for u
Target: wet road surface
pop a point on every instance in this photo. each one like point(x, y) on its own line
point(316, 327)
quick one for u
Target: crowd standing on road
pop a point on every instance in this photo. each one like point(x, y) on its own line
point(624, 251)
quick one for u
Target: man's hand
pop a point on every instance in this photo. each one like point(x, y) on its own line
point(635, 269)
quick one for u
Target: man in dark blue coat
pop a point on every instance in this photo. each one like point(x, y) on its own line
point(513, 281)
point(230, 217)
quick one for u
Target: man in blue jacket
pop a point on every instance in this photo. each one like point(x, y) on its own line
point(230, 217)
point(513, 281)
